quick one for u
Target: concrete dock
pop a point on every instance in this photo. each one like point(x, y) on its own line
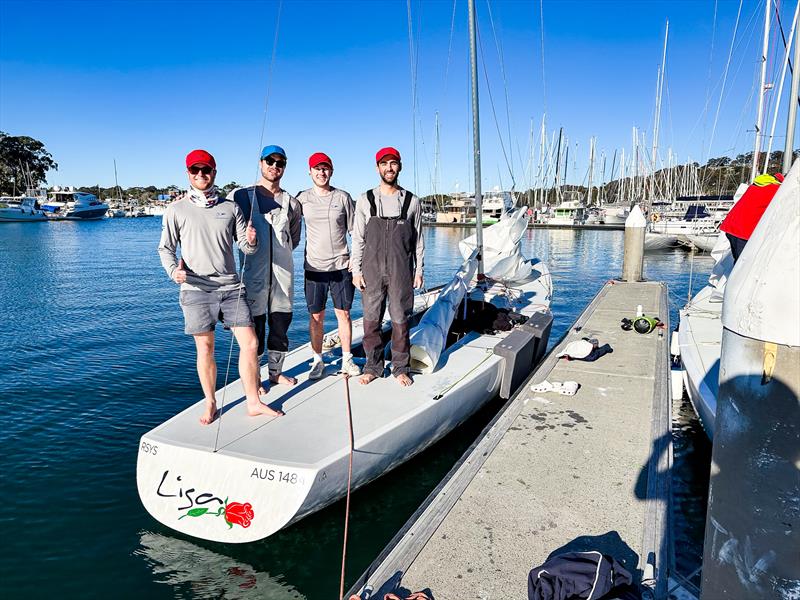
point(555, 473)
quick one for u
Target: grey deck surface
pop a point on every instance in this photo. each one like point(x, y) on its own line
point(554, 469)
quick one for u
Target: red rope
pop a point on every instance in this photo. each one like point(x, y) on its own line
point(349, 479)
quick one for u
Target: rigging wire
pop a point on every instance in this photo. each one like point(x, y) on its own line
point(722, 90)
point(252, 206)
point(494, 112)
point(541, 31)
point(413, 63)
point(499, 47)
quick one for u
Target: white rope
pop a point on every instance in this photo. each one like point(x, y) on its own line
point(252, 206)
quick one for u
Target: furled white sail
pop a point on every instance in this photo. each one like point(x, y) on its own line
point(502, 254)
point(430, 336)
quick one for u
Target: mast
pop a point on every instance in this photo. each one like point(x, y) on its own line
point(476, 137)
point(761, 90)
point(792, 119)
point(591, 171)
point(557, 183)
point(436, 194)
point(657, 119)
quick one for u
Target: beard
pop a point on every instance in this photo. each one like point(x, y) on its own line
point(392, 181)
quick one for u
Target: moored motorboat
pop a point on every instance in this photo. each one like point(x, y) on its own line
point(74, 206)
point(20, 210)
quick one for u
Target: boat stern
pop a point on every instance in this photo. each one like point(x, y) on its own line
point(217, 496)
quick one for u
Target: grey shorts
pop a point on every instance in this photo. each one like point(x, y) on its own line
point(202, 310)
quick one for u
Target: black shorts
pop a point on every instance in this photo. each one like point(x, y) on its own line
point(340, 283)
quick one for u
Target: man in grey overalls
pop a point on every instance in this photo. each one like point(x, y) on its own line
point(387, 261)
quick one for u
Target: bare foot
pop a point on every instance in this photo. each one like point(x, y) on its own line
point(404, 380)
point(262, 391)
point(282, 379)
point(255, 410)
point(210, 413)
point(367, 378)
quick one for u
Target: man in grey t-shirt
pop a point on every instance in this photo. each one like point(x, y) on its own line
point(204, 224)
point(328, 214)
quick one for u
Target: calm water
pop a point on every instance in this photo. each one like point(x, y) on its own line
point(95, 356)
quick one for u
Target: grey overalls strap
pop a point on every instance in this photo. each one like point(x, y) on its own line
point(388, 270)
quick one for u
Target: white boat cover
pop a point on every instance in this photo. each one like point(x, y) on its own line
point(502, 254)
point(428, 339)
point(723, 265)
point(763, 291)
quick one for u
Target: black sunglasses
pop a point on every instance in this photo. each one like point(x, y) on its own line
point(281, 164)
point(205, 170)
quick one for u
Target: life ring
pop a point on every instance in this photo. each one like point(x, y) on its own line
point(655, 217)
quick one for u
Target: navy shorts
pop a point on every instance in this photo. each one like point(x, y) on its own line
point(202, 310)
point(340, 284)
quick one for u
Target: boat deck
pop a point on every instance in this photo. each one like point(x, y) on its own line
point(555, 473)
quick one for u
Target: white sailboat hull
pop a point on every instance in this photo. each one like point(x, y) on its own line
point(700, 341)
point(278, 470)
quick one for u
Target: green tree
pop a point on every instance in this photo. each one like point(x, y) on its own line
point(23, 162)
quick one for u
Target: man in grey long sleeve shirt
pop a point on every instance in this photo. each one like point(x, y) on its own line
point(388, 252)
point(203, 224)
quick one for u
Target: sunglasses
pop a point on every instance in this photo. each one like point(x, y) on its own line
point(205, 170)
point(281, 164)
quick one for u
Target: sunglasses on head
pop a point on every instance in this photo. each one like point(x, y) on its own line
point(281, 164)
point(204, 169)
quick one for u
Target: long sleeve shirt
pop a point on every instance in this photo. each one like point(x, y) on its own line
point(206, 238)
point(387, 206)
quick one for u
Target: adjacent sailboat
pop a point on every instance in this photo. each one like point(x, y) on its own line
point(244, 478)
point(699, 335)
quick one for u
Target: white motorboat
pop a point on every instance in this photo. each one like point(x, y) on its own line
point(20, 210)
point(75, 206)
point(569, 212)
point(615, 214)
point(274, 471)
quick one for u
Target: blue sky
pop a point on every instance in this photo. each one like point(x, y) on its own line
point(145, 82)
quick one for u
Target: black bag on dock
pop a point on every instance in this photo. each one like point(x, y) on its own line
point(584, 575)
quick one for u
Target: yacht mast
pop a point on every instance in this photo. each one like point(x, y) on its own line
point(476, 137)
point(788, 151)
point(761, 90)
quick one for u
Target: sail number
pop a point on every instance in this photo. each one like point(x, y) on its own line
point(276, 475)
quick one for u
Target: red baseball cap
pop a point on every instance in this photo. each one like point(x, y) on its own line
point(200, 157)
point(388, 151)
point(319, 158)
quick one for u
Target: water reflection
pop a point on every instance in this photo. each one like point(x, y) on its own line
point(196, 572)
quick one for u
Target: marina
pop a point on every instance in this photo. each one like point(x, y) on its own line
point(136, 380)
point(582, 383)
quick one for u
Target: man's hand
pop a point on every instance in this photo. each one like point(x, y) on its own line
point(358, 281)
point(418, 282)
point(251, 234)
point(179, 274)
